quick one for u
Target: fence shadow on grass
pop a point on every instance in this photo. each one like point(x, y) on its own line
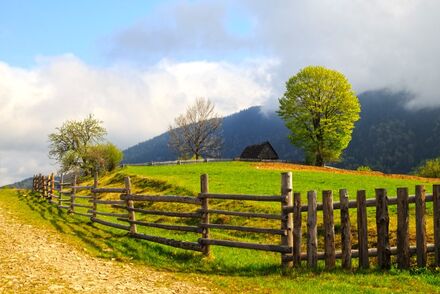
point(107, 242)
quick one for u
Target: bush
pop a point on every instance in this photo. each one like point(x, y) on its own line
point(103, 157)
point(429, 169)
point(364, 168)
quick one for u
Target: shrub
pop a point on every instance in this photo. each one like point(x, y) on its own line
point(364, 168)
point(103, 157)
point(429, 169)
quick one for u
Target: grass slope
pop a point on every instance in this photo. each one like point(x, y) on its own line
point(230, 269)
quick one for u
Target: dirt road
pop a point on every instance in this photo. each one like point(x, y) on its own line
point(37, 261)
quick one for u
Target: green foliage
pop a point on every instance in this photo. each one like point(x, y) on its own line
point(70, 142)
point(320, 109)
point(430, 169)
point(103, 157)
point(364, 168)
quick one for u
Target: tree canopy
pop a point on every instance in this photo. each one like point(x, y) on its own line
point(320, 109)
point(197, 132)
point(69, 143)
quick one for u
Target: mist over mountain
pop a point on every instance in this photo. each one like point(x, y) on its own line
point(389, 137)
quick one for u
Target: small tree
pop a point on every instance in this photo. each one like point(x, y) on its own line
point(429, 169)
point(69, 144)
point(320, 109)
point(103, 157)
point(197, 132)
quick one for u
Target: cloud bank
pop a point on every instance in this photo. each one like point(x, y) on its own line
point(134, 104)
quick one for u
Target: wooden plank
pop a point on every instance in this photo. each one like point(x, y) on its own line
point(362, 229)
point(170, 242)
point(382, 223)
point(353, 204)
point(93, 212)
point(81, 205)
point(246, 229)
point(372, 252)
point(245, 214)
point(108, 190)
point(82, 214)
point(204, 202)
point(297, 232)
point(110, 224)
point(436, 213)
point(421, 226)
point(403, 256)
point(241, 197)
point(312, 230)
point(164, 213)
point(345, 230)
point(329, 230)
point(287, 218)
point(63, 207)
point(245, 245)
point(111, 202)
point(193, 229)
point(151, 198)
point(82, 197)
point(80, 188)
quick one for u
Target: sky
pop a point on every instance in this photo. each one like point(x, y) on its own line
point(137, 64)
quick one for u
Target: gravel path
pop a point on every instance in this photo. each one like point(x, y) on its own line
point(36, 261)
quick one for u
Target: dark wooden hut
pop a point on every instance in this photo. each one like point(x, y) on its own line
point(259, 152)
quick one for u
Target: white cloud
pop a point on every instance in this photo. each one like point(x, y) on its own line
point(134, 104)
point(377, 44)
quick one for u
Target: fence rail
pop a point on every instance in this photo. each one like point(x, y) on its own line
point(291, 228)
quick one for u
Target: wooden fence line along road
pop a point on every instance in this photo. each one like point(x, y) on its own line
point(290, 217)
point(206, 160)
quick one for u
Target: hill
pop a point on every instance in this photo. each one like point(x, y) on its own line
point(389, 137)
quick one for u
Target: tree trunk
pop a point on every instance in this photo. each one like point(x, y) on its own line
point(319, 161)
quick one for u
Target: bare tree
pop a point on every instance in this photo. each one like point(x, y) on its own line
point(197, 132)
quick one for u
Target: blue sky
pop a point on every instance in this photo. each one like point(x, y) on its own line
point(29, 29)
point(137, 64)
point(32, 28)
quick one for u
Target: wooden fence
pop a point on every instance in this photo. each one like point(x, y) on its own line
point(290, 221)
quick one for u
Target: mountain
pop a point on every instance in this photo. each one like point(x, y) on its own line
point(389, 137)
point(241, 129)
point(24, 184)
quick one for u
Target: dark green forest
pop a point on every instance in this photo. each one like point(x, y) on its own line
point(389, 136)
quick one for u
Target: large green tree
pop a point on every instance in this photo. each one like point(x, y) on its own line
point(320, 109)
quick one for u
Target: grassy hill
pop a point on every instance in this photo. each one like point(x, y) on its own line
point(235, 269)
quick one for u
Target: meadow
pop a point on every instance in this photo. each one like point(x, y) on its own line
point(229, 269)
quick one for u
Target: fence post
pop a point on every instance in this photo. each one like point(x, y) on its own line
point(403, 256)
point(60, 201)
point(436, 200)
point(45, 186)
point(345, 229)
point(312, 230)
point(329, 229)
point(297, 229)
point(286, 218)
point(130, 206)
point(94, 196)
point(51, 187)
point(382, 223)
point(204, 188)
point(362, 229)
point(72, 194)
point(40, 184)
point(421, 226)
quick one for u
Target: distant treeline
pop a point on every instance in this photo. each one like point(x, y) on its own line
point(389, 137)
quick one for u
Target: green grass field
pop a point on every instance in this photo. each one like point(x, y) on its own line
point(229, 269)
